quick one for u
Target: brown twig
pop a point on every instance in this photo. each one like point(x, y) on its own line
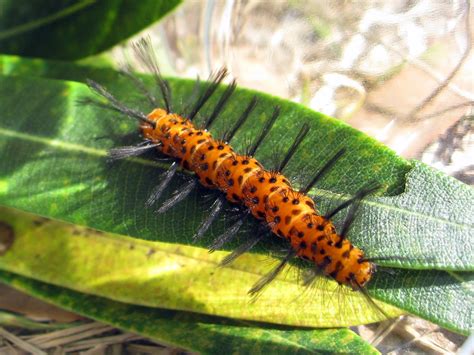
point(20, 343)
point(447, 109)
point(458, 66)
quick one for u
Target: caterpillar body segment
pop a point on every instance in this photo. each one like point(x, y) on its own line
point(268, 195)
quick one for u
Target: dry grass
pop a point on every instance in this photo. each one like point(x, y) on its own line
point(87, 338)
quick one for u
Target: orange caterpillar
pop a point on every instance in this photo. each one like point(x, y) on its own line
point(266, 195)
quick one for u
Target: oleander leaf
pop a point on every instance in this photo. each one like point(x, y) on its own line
point(65, 29)
point(54, 164)
point(200, 333)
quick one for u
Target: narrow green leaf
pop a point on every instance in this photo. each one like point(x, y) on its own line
point(68, 29)
point(430, 224)
point(170, 275)
point(207, 335)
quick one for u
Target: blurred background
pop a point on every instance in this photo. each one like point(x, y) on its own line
point(401, 71)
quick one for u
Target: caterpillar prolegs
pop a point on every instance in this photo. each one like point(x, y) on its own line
point(266, 195)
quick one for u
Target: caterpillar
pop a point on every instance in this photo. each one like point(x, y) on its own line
point(266, 195)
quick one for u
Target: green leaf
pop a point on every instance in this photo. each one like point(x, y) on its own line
point(58, 169)
point(168, 275)
point(68, 29)
point(207, 335)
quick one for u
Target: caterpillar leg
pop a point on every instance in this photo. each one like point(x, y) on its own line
point(265, 280)
point(158, 190)
point(178, 196)
point(216, 209)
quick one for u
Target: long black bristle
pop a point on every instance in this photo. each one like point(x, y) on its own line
point(228, 235)
point(130, 151)
point(126, 71)
point(113, 103)
point(367, 296)
point(349, 220)
point(266, 128)
point(145, 53)
point(178, 196)
point(213, 83)
point(358, 196)
point(191, 99)
point(243, 117)
point(216, 209)
point(249, 244)
point(265, 280)
point(160, 188)
point(324, 170)
point(355, 204)
point(221, 104)
point(299, 138)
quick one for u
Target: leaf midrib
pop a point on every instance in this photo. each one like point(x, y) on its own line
point(103, 153)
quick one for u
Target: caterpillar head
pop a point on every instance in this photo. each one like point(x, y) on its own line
point(361, 273)
point(148, 130)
